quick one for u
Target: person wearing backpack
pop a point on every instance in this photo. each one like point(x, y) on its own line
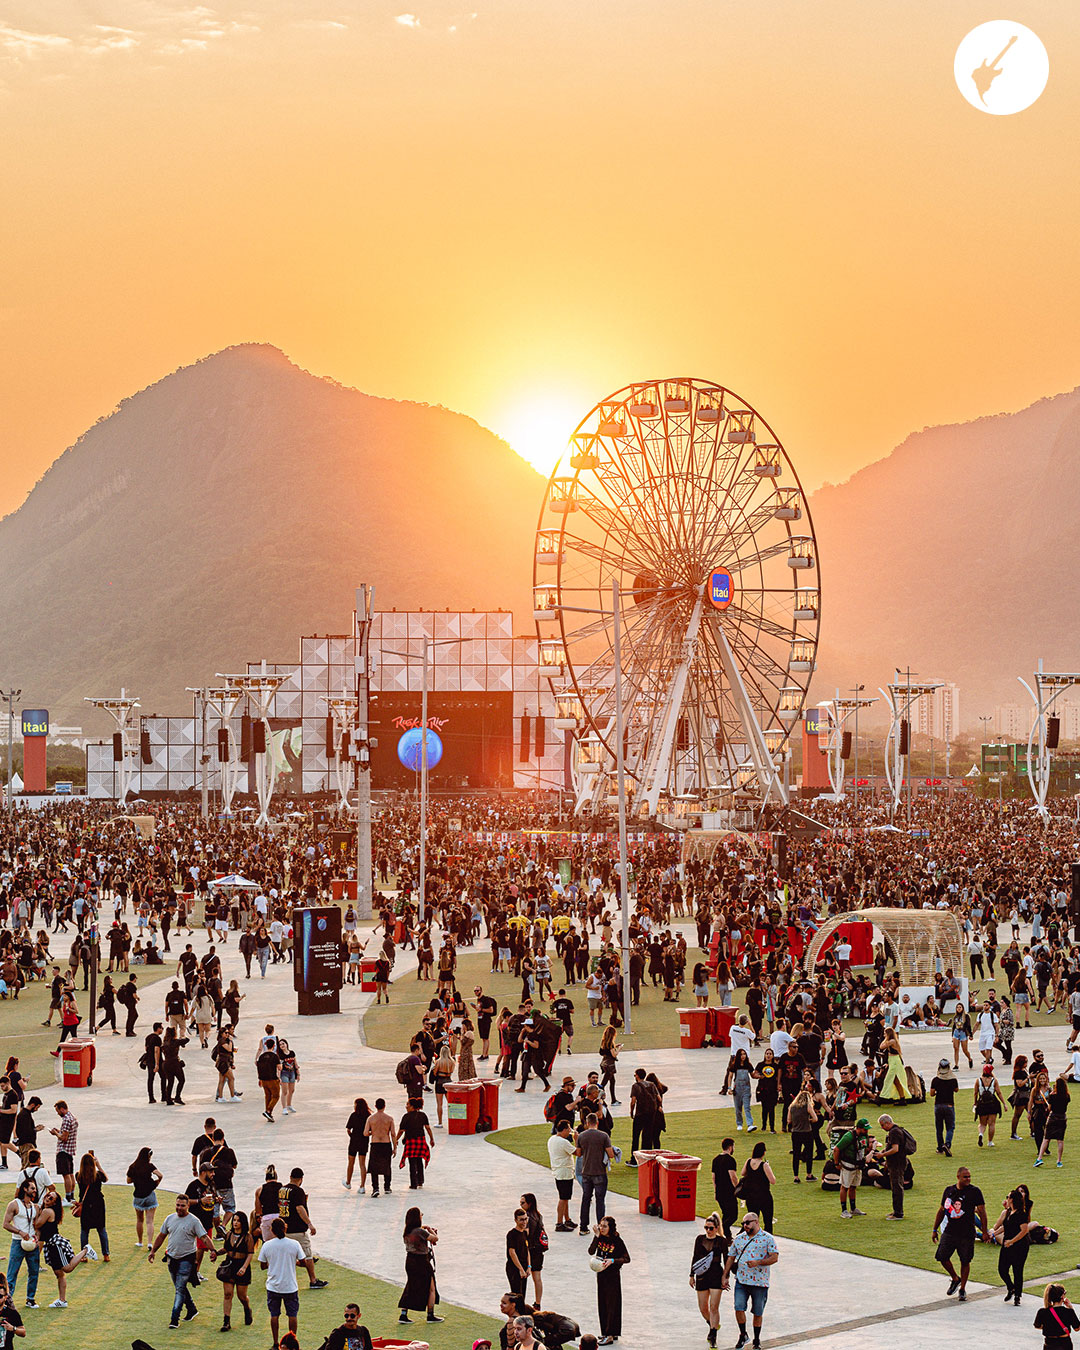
point(899, 1143)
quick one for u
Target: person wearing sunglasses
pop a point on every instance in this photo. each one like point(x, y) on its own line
point(707, 1272)
point(351, 1335)
point(753, 1251)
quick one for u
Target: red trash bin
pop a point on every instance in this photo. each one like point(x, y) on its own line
point(648, 1184)
point(678, 1187)
point(489, 1100)
point(463, 1106)
point(78, 1057)
point(367, 974)
point(693, 1025)
point(723, 1021)
point(342, 889)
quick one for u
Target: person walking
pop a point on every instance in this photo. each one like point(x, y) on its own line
point(988, 1104)
point(518, 1267)
point(961, 1035)
point(595, 1150)
point(143, 1177)
point(289, 1076)
point(961, 1205)
point(755, 1186)
point(1057, 1100)
point(742, 1072)
point(268, 1068)
point(609, 1255)
point(224, 1058)
point(172, 1067)
point(358, 1142)
point(1011, 1233)
point(183, 1232)
point(279, 1257)
point(416, 1149)
point(234, 1268)
point(609, 1054)
point(1021, 1094)
point(293, 1207)
point(801, 1120)
point(943, 1089)
point(90, 1210)
point(442, 1072)
point(420, 1292)
point(382, 1136)
point(768, 1089)
point(752, 1254)
point(707, 1272)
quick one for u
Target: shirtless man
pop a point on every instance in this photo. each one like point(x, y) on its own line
point(380, 1130)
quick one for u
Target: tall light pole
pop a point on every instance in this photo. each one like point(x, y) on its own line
point(365, 877)
point(856, 691)
point(620, 788)
point(12, 696)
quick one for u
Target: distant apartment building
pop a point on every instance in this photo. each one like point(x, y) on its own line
point(1012, 722)
point(1069, 712)
point(937, 714)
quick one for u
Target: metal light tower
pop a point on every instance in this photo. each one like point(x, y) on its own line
point(222, 702)
point(343, 712)
point(901, 696)
point(841, 710)
point(260, 688)
point(1048, 689)
point(361, 750)
point(120, 710)
point(11, 697)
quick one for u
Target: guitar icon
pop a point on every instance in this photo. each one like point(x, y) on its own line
point(985, 75)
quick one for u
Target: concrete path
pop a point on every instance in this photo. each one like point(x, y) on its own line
point(473, 1187)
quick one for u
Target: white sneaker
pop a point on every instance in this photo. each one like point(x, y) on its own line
point(346, 1184)
point(91, 1255)
point(58, 1303)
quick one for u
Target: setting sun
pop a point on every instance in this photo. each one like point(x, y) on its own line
point(539, 427)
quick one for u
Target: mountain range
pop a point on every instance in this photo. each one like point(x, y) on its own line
point(234, 505)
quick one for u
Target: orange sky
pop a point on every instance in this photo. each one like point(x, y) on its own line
point(499, 202)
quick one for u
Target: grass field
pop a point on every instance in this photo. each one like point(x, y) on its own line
point(812, 1215)
point(112, 1305)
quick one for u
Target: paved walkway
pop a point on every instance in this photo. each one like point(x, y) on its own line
point(833, 1298)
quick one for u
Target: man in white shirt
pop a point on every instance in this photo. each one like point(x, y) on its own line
point(279, 1257)
point(561, 1154)
point(843, 955)
point(780, 1039)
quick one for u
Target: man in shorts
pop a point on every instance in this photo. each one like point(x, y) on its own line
point(485, 1008)
point(279, 1257)
point(66, 1133)
point(293, 1203)
point(960, 1204)
point(848, 1154)
point(752, 1252)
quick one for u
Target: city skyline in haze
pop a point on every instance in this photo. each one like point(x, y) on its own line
point(513, 208)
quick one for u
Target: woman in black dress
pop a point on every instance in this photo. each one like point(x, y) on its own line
point(234, 1268)
point(358, 1142)
point(420, 1290)
point(609, 1252)
point(1057, 1100)
point(707, 1272)
point(518, 1265)
point(91, 1178)
point(755, 1186)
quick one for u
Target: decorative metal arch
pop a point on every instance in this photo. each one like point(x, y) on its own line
point(920, 937)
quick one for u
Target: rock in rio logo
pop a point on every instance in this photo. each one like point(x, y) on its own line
point(1001, 67)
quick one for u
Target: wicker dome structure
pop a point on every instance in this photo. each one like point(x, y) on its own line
point(925, 942)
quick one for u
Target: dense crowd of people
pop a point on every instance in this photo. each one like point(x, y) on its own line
point(86, 904)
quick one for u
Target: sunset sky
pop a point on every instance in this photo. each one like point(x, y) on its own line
point(512, 207)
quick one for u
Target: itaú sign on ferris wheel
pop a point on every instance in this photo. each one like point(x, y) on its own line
point(721, 589)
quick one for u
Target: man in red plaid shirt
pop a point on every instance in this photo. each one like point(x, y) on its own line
point(66, 1136)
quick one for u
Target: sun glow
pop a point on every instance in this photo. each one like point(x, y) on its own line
point(539, 428)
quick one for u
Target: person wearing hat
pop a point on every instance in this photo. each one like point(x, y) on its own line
point(943, 1088)
point(848, 1154)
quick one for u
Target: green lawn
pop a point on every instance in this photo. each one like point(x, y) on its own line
point(812, 1215)
point(112, 1305)
point(390, 1026)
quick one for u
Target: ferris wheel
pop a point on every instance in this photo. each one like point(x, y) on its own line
point(680, 493)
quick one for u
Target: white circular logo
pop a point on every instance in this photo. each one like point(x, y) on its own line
point(1001, 67)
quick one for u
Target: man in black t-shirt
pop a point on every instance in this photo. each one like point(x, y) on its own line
point(485, 1008)
point(562, 1010)
point(561, 1104)
point(960, 1205)
point(202, 1143)
point(187, 967)
point(725, 1176)
point(293, 1208)
point(943, 1087)
point(350, 1335)
point(223, 1160)
point(176, 1008)
point(152, 1046)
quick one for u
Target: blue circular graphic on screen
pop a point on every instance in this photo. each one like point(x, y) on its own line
point(410, 751)
point(321, 925)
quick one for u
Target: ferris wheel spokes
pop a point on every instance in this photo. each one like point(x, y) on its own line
point(768, 778)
